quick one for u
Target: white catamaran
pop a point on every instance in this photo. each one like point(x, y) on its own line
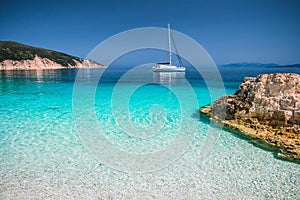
point(167, 66)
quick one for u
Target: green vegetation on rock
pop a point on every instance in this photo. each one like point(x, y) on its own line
point(17, 51)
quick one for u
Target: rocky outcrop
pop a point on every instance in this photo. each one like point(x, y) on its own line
point(45, 63)
point(265, 109)
point(17, 56)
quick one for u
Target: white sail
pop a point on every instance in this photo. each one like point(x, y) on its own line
point(167, 66)
point(169, 42)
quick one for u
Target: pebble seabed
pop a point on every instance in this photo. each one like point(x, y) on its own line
point(46, 167)
point(42, 156)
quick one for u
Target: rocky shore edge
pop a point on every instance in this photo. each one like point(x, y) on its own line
point(44, 63)
point(265, 110)
point(18, 56)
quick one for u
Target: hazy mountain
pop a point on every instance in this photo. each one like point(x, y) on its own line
point(244, 64)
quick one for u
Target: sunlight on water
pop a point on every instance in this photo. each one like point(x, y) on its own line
point(42, 155)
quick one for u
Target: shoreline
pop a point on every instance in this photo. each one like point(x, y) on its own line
point(39, 63)
point(265, 110)
point(32, 69)
point(259, 135)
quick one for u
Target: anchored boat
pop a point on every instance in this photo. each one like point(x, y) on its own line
point(167, 66)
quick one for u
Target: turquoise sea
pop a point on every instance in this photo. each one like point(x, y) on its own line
point(45, 155)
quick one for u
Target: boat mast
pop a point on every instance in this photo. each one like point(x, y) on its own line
point(170, 48)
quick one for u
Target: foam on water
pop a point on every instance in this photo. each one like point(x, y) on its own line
point(42, 155)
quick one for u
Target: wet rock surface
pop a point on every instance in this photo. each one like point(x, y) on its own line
point(266, 110)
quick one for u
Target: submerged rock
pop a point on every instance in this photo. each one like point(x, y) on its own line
point(266, 109)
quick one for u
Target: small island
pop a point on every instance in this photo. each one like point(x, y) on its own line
point(17, 56)
point(265, 110)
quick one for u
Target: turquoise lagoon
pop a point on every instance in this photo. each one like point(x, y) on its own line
point(43, 156)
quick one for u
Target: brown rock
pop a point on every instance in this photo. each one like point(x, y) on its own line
point(44, 63)
point(267, 103)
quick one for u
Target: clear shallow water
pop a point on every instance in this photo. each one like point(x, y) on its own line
point(42, 155)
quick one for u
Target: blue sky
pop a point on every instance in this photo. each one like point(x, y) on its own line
point(266, 31)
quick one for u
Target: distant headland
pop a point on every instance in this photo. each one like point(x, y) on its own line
point(17, 56)
point(259, 65)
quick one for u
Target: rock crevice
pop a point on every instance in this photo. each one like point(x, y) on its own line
point(265, 109)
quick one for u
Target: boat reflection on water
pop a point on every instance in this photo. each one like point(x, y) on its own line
point(169, 78)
